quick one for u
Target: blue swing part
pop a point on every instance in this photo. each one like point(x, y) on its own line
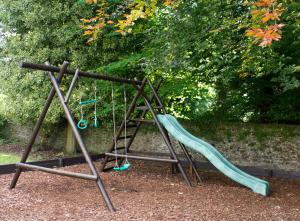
point(96, 122)
point(125, 166)
point(82, 124)
point(87, 102)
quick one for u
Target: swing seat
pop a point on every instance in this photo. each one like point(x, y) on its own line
point(125, 166)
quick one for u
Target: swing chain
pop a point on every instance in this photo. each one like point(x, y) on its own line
point(125, 125)
point(126, 165)
point(81, 111)
point(114, 122)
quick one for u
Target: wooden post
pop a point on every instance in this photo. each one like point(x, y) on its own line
point(70, 147)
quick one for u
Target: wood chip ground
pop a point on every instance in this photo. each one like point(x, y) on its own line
point(145, 192)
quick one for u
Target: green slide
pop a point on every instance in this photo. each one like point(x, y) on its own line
point(213, 155)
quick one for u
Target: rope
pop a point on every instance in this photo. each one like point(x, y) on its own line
point(95, 110)
point(114, 122)
point(81, 110)
point(95, 99)
point(125, 119)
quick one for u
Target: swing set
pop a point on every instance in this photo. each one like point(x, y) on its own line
point(134, 117)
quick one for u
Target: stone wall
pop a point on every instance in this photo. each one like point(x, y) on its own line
point(269, 146)
point(20, 134)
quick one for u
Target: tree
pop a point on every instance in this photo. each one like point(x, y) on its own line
point(39, 31)
point(199, 47)
point(203, 42)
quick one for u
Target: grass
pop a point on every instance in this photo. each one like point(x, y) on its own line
point(8, 158)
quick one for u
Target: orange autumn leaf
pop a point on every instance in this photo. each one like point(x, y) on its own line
point(90, 27)
point(276, 27)
point(273, 35)
point(99, 26)
point(168, 2)
point(265, 3)
point(91, 1)
point(265, 29)
point(270, 36)
point(256, 13)
point(266, 36)
point(274, 15)
point(256, 32)
point(88, 20)
point(88, 32)
point(250, 32)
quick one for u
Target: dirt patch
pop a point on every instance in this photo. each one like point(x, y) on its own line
point(145, 192)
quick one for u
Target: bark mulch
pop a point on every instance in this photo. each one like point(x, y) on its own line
point(145, 192)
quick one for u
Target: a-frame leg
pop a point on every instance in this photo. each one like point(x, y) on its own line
point(191, 162)
point(37, 127)
point(81, 144)
point(164, 135)
point(174, 167)
point(186, 153)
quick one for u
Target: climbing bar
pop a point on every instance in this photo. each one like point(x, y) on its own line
point(87, 102)
point(124, 137)
point(143, 121)
point(50, 68)
point(142, 158)
point(55, 171)
point(146, 108)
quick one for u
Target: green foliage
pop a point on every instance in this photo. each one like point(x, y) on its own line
point(211, 71)
point(2, 122)
point(203, 42)
point(130, 66)
point(39, 31)
point(51, 36)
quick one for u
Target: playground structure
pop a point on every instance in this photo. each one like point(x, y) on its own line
point(164, 122)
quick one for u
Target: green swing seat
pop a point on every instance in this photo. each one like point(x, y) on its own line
point(125, 166)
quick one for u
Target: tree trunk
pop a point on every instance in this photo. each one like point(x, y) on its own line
point(70, 147)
